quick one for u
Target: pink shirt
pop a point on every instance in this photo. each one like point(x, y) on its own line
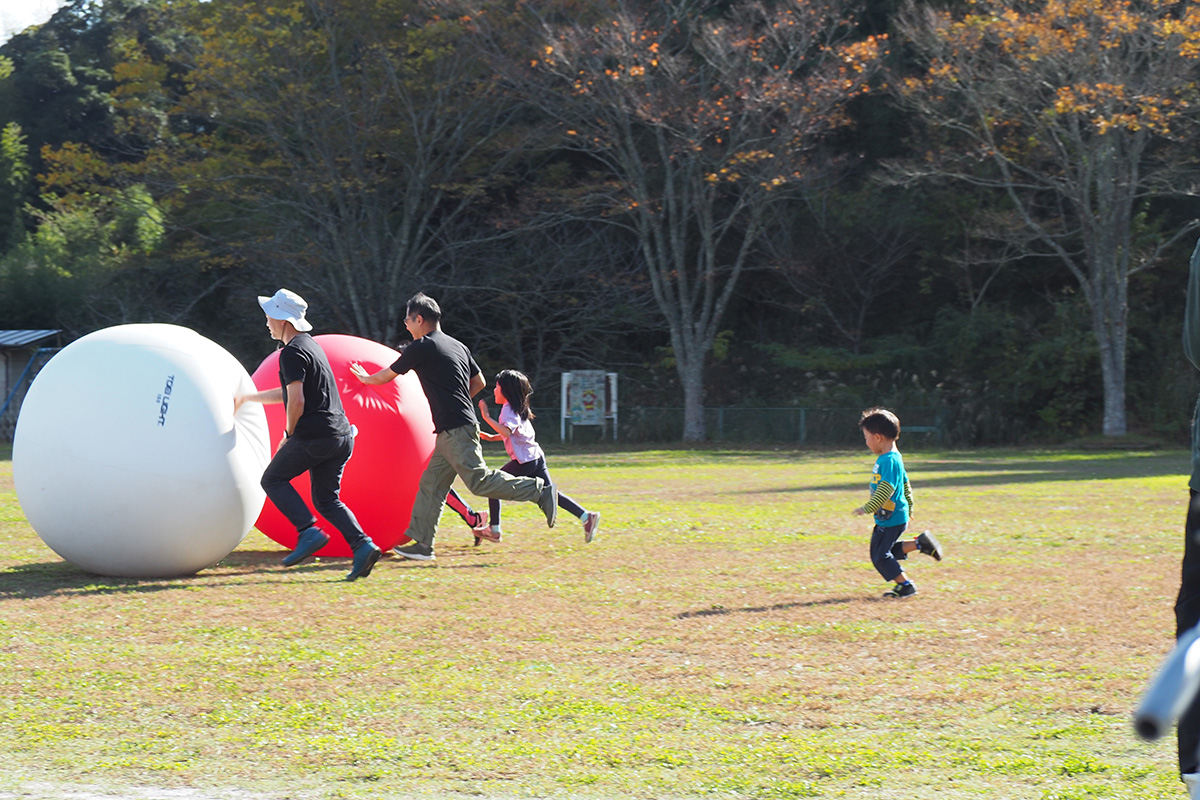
point(521, 446)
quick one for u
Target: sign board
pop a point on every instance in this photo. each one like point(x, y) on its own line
point(589, 397)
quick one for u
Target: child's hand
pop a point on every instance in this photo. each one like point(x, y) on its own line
point(483, 408)
point(858, 512)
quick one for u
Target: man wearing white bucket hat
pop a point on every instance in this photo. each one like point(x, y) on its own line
point(317, 437)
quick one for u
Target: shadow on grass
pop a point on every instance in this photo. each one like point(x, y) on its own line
point(720, 612)
point(1000, 472)
point(29, 581)
point(46, 579)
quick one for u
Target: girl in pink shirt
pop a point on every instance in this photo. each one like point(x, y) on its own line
point(515, 429)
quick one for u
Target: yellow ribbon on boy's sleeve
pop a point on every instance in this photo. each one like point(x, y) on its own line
point(881, 497)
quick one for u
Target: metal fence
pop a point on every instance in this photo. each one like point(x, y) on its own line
point(813, 426)
point(825, 426)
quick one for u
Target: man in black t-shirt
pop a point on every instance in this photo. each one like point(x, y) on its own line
point(317, 437)
point(450, 378)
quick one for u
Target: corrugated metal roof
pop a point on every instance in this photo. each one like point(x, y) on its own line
point(22, 338)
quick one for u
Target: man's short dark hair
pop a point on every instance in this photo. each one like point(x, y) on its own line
point(880, 421)
point(425, 306)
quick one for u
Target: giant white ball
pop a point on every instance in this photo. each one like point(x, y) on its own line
point(127, 458)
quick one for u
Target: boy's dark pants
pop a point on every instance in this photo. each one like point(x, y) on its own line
point(887, 552)
point(1187, 615)
point(323, 460)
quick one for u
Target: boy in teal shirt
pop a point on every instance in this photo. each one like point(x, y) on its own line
point(891, 503)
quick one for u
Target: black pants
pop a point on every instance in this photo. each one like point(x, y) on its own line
point(532, 469)
point(323, 460)
point(1187, 615)
point(887, 551)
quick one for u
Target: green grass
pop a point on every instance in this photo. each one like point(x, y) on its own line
point(723, 637)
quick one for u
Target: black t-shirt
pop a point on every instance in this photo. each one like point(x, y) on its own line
point(445, 367)
point(302, 359)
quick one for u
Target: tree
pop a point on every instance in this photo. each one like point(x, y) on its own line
point(61, 79)
point(86, 267)
point(16, 180)
point(79, 246)
point(1079, 113)
point(336, 142)
point(694, 121)
point(861, 231)
point(331, 144)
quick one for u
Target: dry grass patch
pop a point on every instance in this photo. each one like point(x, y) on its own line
point(723, 637)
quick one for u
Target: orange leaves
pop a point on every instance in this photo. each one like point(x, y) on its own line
point(73, 171)
point(1183, 34)
point(1101, 66)
point(858, 56)
point(1087, 98)
point(1063, 27)
point(622, 71)
point(1107, 107)
point(742, 98)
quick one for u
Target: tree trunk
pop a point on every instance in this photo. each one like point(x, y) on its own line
point(1114, 397)
point(691, 377)
point(1110, 323)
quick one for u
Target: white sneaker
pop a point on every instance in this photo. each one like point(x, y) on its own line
point(1192, 781)
point(591, 524)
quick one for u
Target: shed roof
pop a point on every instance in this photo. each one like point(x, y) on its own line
point(23, 338)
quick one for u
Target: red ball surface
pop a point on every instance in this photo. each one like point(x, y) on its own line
point(394, 443)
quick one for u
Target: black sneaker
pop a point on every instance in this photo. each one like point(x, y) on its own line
point(414, 550)
point(309, 541)
point(902, 590)
point(929, 546)
point(364, 561)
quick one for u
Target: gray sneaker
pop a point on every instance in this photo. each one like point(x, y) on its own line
point(548, 503)
point(414, 550)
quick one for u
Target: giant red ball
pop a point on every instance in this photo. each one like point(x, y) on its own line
point(395, 440)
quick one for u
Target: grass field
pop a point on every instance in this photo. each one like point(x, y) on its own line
point(724, 637)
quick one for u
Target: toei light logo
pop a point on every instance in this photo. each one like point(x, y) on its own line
point(164, 401)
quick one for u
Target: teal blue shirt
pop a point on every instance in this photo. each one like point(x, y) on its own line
point(889, 491)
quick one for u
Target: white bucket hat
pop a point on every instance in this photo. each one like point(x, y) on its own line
point(286, 305)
